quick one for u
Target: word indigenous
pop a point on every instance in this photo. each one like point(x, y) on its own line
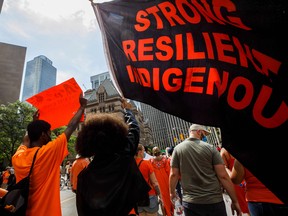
point(215, 46)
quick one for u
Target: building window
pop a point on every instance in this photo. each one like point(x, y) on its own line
point(101, 97)
point(102, 109)
point(111, 107)
point(93, 110)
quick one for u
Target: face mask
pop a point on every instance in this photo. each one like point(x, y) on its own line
point(204, 138)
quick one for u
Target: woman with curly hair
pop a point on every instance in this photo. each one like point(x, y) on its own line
point(110, 185)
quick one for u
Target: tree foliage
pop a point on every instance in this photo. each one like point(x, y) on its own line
point(71, 142)
point(14, 118)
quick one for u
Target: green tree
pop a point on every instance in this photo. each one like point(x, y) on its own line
point(71, 143)
point(14, 118)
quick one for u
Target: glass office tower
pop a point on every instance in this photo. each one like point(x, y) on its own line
point(40, 75)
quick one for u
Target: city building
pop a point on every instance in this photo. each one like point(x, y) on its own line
point(40, 75)
point(106, 99)
point(1, 4)
point(169, 130)
point(96, 80)
point(12, 58)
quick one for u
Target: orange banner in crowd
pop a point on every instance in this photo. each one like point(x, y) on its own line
point(58, 104)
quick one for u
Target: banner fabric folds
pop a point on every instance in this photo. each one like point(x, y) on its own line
point(220, 63)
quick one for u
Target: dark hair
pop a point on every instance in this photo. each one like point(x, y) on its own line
point(139, 148)
point(102, 134)
point(170, 150)
point(36, 128)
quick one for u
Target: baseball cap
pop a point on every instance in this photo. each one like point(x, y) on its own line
point(194, 127)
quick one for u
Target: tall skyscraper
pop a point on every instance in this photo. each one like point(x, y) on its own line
point(40, 75)
point(1, 4)
point(12, 58)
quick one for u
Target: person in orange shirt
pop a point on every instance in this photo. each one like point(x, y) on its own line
point(261, 201)
point(161, 167)
point(5, 178)
point(44, 194)
point(148, 173)
point(78, 165)
point(239, 188)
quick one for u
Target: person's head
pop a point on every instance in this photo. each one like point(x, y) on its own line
point(140, 151)
point(101, 135)
point(170, 150)
point(156, 151)
point(39, 132)
point(198, 131)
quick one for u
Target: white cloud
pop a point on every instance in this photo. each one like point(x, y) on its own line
point(64, 31)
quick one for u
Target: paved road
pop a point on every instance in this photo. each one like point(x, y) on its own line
point(68, 204)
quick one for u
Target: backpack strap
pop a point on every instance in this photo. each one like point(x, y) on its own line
point(33, 162)
point(148, 176)
point(140, 163)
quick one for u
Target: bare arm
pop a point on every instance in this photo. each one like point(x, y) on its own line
point(238, 172)
point(173, 179)
point(155, 183)
point(226, 158)
point(72, 125)
point(228, 186)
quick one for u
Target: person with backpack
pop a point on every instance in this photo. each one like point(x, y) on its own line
point(44, 193)
point(148, 173)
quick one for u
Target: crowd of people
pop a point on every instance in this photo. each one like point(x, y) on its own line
point(112, 172)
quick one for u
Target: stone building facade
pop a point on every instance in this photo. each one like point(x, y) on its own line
point(107, 99)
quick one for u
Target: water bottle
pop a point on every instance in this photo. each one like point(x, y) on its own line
point(178, 206)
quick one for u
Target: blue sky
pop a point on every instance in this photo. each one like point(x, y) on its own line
point(65, 31)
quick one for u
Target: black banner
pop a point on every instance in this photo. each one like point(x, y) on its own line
point(220, 63)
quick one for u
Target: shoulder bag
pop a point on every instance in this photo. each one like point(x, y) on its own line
point(15, 202)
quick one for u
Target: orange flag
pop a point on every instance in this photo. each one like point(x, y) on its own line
point(58, 104)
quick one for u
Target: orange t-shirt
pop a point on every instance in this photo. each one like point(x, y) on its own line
point(44, 194)
point(258, 192)
point(146, 169)
point(77, 166)
point(5, 176)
